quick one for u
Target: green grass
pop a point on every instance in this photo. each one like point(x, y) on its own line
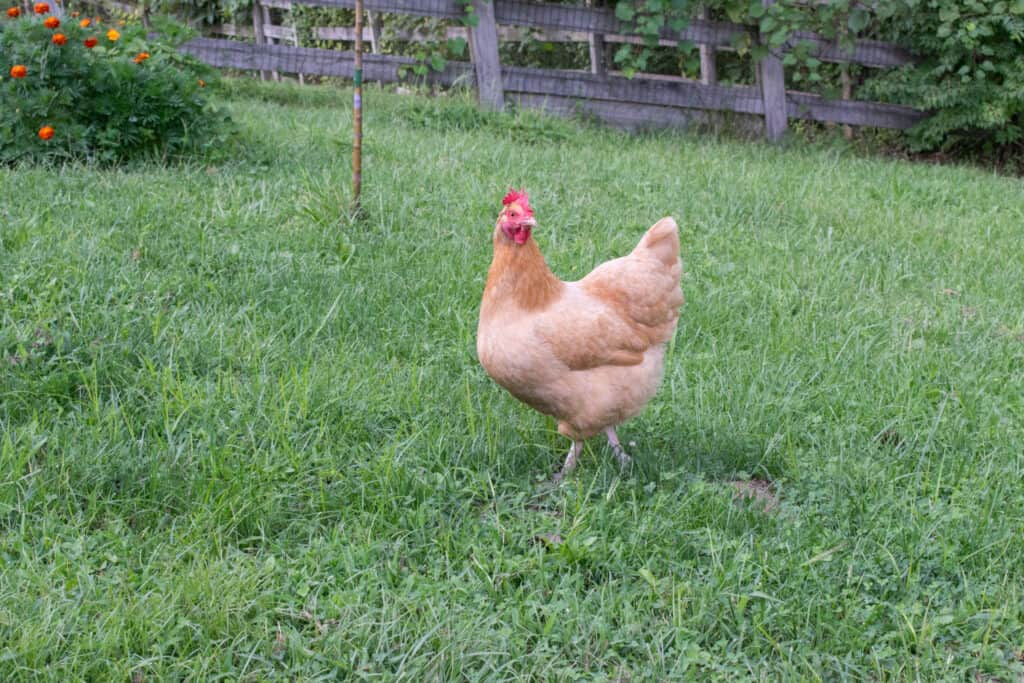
point(242, 437)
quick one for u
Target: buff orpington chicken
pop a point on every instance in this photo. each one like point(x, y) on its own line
point(589, 353)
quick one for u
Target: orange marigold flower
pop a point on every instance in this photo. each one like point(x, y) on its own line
point(13, 12)
point(84, 23)
point(59, 39)
point(46, 132)
point(113, 35)
point(90, 42)
point(51, 22)
point(141, 57)
point(202, 83)
point(40, 8)
point(19, 71)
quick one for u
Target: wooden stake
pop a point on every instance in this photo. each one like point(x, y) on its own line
point(357, 111)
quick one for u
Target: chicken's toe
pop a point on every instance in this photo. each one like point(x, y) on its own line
point(620, 453)
point(570, 463)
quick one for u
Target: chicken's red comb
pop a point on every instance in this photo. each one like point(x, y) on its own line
point(518, 196)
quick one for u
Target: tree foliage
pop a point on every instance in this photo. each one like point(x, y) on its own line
point(971, 70)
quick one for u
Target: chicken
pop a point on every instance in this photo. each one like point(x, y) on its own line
point(589, 353)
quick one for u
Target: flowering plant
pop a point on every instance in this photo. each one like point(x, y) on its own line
point(72, 90)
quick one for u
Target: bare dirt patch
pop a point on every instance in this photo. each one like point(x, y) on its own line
point(758, 491)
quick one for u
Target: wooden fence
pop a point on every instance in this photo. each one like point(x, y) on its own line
point(642, 100)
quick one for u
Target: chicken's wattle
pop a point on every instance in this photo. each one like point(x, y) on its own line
point(517, 233)
point(522, 233)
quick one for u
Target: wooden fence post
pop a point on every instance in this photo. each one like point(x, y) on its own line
point(847, 85)
point(268, 21)
point(773, 91)
point(375, 31)
point(708, 70)
point(597, 51)
point(483, 43)
point(257, 29)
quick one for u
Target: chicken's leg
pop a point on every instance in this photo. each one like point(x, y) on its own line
point(570, 462)
point(617, 449)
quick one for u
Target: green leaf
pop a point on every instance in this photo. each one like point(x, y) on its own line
point(624, 11)
point(647, 576)
point(457, 46)
point(678, 24)
point(949, 14)
point(623, 54)
point(858, 20)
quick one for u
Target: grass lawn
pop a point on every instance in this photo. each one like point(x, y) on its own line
point(242, 438)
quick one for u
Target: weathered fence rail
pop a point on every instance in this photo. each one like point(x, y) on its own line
point(640, 100)
point(602, 20)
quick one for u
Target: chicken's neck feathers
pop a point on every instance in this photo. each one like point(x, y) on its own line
point(519, 276)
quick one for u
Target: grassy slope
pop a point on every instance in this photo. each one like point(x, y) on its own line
point(240, 437)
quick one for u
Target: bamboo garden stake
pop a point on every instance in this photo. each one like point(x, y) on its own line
point(357, 111)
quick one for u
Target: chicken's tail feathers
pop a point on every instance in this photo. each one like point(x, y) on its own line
point(662, 241)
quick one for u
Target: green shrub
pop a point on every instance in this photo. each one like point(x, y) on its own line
point(969, 69)
point(125, 96)
point(970, 73)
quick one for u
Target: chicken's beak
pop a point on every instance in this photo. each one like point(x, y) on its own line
point(529, 222)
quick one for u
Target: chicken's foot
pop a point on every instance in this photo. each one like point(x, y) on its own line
point(620, 453)
point(570, 462)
